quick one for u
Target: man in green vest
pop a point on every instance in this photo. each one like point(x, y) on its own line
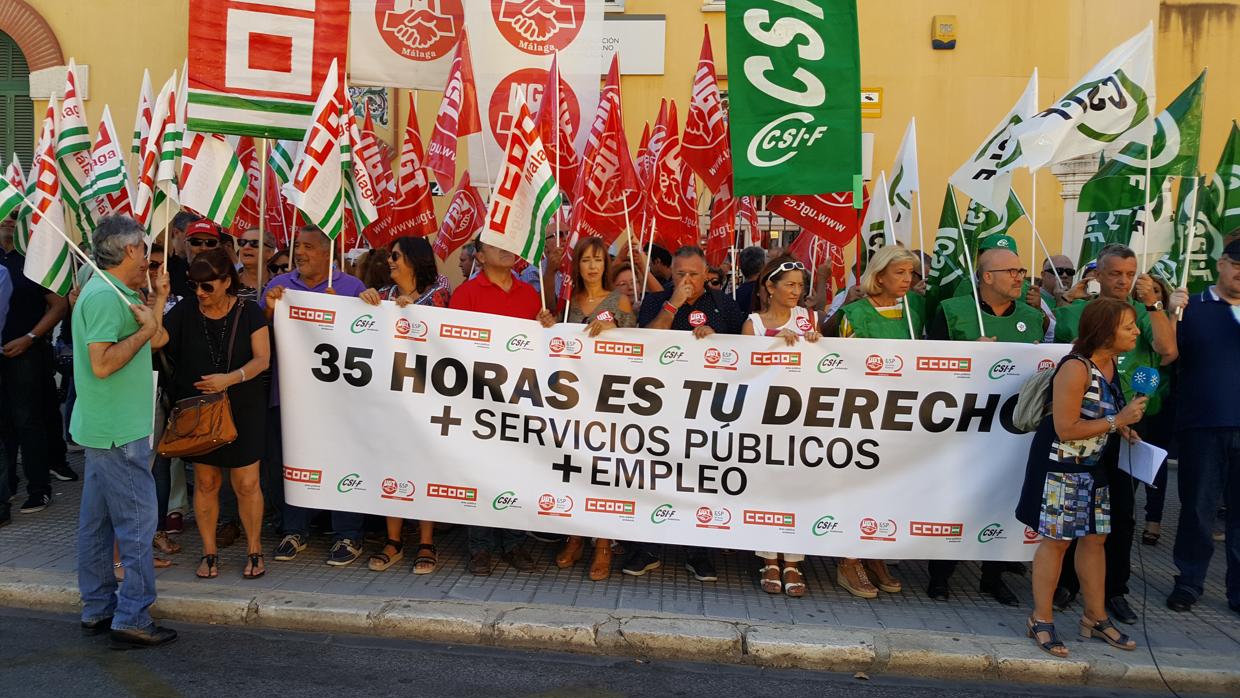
point(1000, 289)
point(1156, 346)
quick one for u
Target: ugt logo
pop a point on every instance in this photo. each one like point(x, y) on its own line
point(420, 30)
point(539, 27)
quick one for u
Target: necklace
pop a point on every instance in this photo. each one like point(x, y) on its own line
point(216, 349)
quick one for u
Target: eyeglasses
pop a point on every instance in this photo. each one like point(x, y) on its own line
point(1062, 271)
point(786, 266)
point(206, 286)
point(1015, 273)
point(203, 242)
point(278, 268)
point(247, 243)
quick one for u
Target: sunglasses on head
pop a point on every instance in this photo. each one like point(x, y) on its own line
point(786, 266)
point(203, 242)
point(247, 243)
point(206, 286)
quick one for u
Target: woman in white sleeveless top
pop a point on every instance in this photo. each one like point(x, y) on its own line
point(781, 291)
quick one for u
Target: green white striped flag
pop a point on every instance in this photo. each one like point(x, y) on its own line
point(22, 235)
point(1120, 184)
point(107, 192)
point(213, 182)
point(47, 252)
point(359, 189)
point(73, 150)
point(518, 217)
point(10, 198)
point(283, 159)
point(142, 120)
point(317, 185)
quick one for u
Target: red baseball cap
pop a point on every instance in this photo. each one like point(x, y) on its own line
point(202, 227)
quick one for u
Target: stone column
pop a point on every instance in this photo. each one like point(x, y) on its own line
point(1072, 175)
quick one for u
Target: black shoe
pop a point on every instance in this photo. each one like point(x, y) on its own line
point(150, 636)
point(702, 568)
point(97, 627)
point(999, 590)
point(1181, 601)
point(63, 473)
point(1235, 607)
point(36, 502)
point(1063, 598)
point(520, 560)
point(545, 537)
point(5, 520)
point(1119, 609)
point(938, 590)
point(640, 562)
point(1013, 567)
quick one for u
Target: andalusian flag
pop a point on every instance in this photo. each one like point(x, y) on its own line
point(317, 186)
point(213, 182)
point(527, 196)
point(10, 198)
point(1177, 141)
point(283, 159)
point(73, 150)
point(47, 252)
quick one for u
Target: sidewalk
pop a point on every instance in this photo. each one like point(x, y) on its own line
point(663, 614)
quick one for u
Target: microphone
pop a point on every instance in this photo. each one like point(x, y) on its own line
point(1145, 380)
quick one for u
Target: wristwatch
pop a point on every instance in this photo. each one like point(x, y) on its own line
point(1111, 423)
point(33, 337)
point(1158, 305)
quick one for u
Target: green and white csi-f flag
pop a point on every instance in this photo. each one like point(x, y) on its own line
point(981, 222)
point(948, 267)
point(903, 184)
point(317, 185)
point(875, 232)
point(1224, 207)
point(1177, 142)
point(527, 196)
point(987, 176)
point(73, 150)
point(48, 260)
point(1113, 104)
point(1191, 221)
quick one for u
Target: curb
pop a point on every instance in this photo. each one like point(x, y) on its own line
point(657, 636)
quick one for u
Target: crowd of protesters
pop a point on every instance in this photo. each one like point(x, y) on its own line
point(195, 313)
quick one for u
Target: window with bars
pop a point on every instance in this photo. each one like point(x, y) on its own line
point(16, 109)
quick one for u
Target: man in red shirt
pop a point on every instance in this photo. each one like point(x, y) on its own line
point(496, 290)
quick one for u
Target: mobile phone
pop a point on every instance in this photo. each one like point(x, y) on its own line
point(1093, 288)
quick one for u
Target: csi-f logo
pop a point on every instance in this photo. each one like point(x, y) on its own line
point(1002, 369)
point(349, 483)
point(1097, 103)
point(672, 355)
point(565, 347)
point(316, 315)
point(826, 525)
point(391, 488)
point(879, 365)
point(663, 513)
point(555, 505)
point(505, 500)
point(363, 323)
point(714, 517)
point(830, 362)
point(725, 359)
point(990, 532)
point(413, 330)
point(519, 342)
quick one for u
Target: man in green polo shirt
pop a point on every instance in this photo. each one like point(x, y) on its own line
point(1156, 346)
point(113, 332)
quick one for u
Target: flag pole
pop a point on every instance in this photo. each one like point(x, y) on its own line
point(556, 106)
point(1033, 222)
point(1037, 238)
point(331, 258)
point(921, 232)
point(649, 251)
point(890, 234)
point(968, 261)
point(262, 208)
point(83, 256)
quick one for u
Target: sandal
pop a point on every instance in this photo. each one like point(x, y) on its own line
point(380, 561)
point(772, 584)
point(1099, 630)
point(425, 563)
point(1053, 647)
point(256, 559)
point(164, 544)
point(212, 567)
point(793, 587)
point(1149, 537)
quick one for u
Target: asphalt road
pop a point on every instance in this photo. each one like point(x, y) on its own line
point(45, 655)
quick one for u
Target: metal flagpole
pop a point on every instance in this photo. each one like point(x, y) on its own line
point(890, 234)
point(331, 258)
point(1037, 238)
point(262, 208)
point(968, 263)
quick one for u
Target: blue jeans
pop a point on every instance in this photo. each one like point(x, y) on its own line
point(1209, 465)
point(493, 540)
point(118, 503)
point(347, 524)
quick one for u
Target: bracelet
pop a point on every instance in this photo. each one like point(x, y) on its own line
point(242, 370)
point(1111, 426)
point(669, 308)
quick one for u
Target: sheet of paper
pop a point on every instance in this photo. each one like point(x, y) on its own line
point(1141, 460)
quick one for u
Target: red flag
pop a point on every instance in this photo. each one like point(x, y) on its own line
point(246, 217)
point(281, 214)
point(458, 115)
point(689, 204)
point(810, 249)
point(667, 191)
point(643, 162)
point(379, 168)
point(414, 210)
point(555, 127)
point(829, 216)
point(610, 194)
point(706, 147)
point(722, 232)
point(749, 213)
point(609, 99)
point(462, 221)
point(839, 271)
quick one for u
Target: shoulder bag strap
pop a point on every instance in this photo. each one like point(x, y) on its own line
point(232, 336)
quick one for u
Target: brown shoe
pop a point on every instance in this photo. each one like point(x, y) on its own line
point(164, 544)
point(481, 564)
point(227, 534)
point(878, 572)
point(851, 577)
point(570, 553)
point(600, 566)
point(520, 560)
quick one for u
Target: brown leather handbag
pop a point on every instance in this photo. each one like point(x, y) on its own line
point(199, 425)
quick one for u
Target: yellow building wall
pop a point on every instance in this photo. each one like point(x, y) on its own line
point(957, 96)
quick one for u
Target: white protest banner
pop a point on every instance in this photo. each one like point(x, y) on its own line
point(403, 43)
point(512, 43)
point(856, 448)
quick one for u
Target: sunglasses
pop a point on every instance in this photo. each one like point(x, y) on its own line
point(1062, 271)
point(247, 243)
point(786, 266)
point(277, 268)
point(203, 242)
point(206, 286)
point(154, 265)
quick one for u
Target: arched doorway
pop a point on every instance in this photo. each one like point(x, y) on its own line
point(16, 110)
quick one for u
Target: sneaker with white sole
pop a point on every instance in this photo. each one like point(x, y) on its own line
point(63, 473)
point(36, 502)
point(289, 546)
point(343, 552)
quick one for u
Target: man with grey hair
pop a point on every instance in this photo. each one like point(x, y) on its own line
point(114, 331)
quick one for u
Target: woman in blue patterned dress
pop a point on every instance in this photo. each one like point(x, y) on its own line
point(1066, 494)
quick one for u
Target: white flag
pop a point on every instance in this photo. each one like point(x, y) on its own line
point(1112, 105)
point(987, 176)
point(904, 182)
point(107, 193)
point(73, 149)
point(47, 251)
point(317, 186)
point(142, 120)
point(874, 229)
point(528, 197)
point(213, 182)
point(147, 195)
point(403, 43)
point(283, 158)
